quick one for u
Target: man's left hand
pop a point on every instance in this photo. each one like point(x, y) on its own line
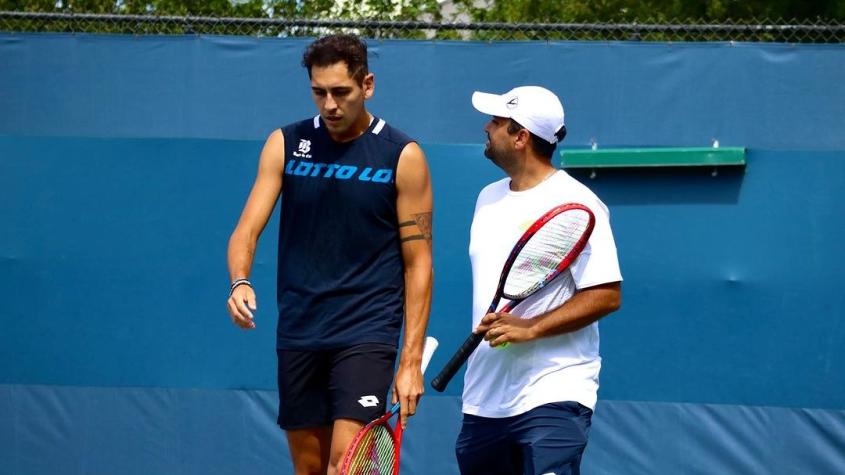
point(501, 328)
point(407, 389)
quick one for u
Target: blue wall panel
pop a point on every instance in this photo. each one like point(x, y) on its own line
point(76, 431)
point(730, 294)
point(773, 96)
point(642, 438)
point(115, 250)
point(116, 253)
point(79, 430)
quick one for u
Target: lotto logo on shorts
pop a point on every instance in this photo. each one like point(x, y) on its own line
point(368, 401)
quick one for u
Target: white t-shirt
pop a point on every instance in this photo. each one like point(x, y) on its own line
point(503, 382)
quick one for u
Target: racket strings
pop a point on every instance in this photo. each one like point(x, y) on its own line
point(375, 453)
point(542, 255)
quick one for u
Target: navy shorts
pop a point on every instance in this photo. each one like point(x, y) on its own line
point(317, 387)
point(549, 439)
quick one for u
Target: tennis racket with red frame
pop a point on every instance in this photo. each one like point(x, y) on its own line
point(544, 251)
point(375, 449)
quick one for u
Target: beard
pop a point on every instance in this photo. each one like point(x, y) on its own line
point(496, 155)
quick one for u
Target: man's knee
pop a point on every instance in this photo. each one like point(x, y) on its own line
point(309, 450)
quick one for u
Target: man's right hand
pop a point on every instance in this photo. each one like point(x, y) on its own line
point(241, 304)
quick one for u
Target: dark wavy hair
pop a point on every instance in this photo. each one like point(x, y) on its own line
point(333, 49)
point(541, 146)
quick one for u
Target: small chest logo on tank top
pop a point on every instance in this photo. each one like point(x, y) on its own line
point(303, 149)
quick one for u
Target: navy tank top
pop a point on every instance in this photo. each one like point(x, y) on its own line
point(341, 274)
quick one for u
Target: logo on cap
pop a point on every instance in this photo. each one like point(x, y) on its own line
point(512, 103)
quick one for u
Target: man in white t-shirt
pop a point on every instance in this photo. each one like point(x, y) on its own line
point(527, 407)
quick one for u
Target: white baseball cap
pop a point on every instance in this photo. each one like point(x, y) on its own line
point(535, 108)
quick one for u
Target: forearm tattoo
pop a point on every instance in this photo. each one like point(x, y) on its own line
point(423, 223)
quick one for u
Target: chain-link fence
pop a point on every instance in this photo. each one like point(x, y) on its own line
point(687, 30)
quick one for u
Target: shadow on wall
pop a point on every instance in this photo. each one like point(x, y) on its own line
point(664, 186)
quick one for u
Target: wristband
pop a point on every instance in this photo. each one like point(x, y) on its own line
point(238, 282)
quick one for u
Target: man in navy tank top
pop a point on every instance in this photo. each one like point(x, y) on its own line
point(354, 264)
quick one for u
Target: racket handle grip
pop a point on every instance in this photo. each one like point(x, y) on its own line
point(446, 374)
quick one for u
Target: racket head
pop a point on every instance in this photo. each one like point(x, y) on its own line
point(546, 249)
point(375, 449)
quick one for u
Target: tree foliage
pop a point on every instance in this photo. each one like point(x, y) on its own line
point(545, 11)
point(312, 9)
point(677, 12)
point(643, 11)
